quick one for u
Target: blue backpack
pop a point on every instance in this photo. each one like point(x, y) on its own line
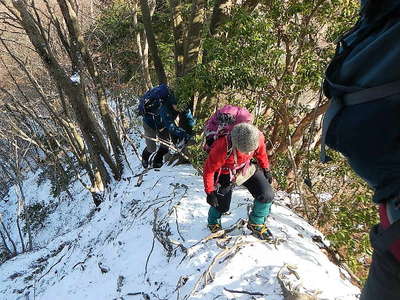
point(151, 101)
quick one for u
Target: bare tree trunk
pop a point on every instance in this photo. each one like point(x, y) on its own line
point(143, 51)
point(9, 238)
point(91, 9)
point(219, 14)
point(22, 208)
point(21, 199)
point(74, 91)
point(178, 29)
point(3, 238)
point(71, 20)
point(69, 128)
point(301, 127)
point(159, 67)
point(20, 234)
point(193, 38)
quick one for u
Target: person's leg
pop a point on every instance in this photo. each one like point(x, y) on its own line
point(263, 194)
point(151, 145)
point(162, 150)
point(224, 196)
point(383, 280)
point(145, 158)
point(389, 212)
point(214, 219)
point(158, 158)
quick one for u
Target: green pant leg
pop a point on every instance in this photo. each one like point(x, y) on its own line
point(214, 216)
point(260, 212)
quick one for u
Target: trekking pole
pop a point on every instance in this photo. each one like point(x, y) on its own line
point(172, 147)
point(167, 144)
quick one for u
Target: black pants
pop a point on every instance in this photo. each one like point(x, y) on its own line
point(383, 280)
point(257, 185)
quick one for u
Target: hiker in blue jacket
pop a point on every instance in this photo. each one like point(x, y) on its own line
point(363, 123)
point(160, 114)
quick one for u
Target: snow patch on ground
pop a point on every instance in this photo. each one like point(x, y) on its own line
point(147, 239)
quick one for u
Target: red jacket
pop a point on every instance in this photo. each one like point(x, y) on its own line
point(217, 159)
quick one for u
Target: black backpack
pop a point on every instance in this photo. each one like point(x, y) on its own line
point(370, 24)
point(151, 101)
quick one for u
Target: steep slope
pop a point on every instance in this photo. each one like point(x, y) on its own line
point(149, 241)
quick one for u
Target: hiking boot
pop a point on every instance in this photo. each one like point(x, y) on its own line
point(145, 158)
point(157, 164)
point(260, 231)
point(145, 163)
point(158, 158)
point(214, 227)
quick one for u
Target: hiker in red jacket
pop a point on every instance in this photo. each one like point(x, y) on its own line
point(228, 164)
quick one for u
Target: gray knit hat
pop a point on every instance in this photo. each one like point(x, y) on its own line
point(245, 137)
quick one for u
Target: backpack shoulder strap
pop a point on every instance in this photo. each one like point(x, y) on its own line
point(229, 146)
point(373, 93)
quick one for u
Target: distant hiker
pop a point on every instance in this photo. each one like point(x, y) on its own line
point(363, 123)
point(229, 164)
point(158, 106)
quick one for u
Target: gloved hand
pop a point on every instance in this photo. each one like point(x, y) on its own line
point(185, 141)
point(212, 199)
point(268, 175)
point(189, 140)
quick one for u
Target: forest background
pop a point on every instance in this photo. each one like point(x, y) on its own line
point(72, 71)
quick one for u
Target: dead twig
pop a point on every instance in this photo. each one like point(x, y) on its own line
point(145, 296)
point(292, 293)
point(167, 144)
point(337, 259)
point(245, 292)
point(133, 146)
point(207, 276)
point(181, 282)
point(82, 262)
point(162, 232)
point(239, 224)
point(148, 257)
point(151, 205)
point(60, 259)
point(177, 225)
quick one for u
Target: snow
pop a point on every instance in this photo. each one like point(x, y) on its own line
point(325, 197)
point(75, 78)
point(147, 240)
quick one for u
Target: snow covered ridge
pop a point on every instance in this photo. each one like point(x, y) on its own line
point(150, 241)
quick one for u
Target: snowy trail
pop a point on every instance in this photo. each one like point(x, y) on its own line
point(144, 243)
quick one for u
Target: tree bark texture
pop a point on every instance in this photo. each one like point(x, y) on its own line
point(74, 92)
point(159, 67)
point(71, 20)
point(193, 38)
point(143, 51)
point(179, 35)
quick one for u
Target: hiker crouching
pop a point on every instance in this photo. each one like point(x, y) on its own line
point(228, 164)
point(159, 109)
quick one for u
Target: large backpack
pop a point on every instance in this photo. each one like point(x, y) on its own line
point(222, 122)
point(151, 101)
point(371, 49)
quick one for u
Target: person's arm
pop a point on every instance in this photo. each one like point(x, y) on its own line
point(261, 153)
point(168, 121)
point(186, 121)
point(215, 160)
